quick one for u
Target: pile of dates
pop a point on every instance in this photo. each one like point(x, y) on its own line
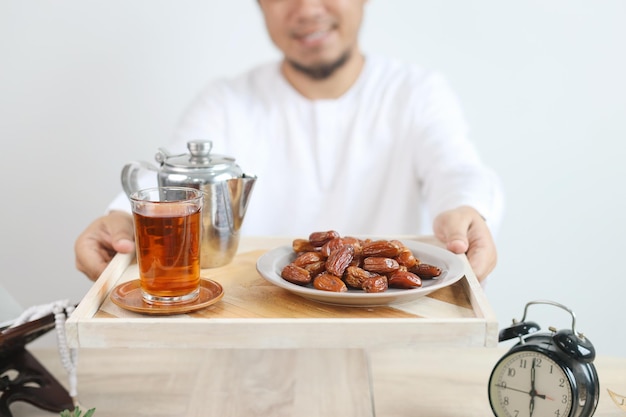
point(334, 263)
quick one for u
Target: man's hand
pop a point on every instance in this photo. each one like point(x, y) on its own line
point(101, 240)
point(463, 230)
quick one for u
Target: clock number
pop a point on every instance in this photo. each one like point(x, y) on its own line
point(511, 372)
point(505, 401)
point(538, 362)
point(561, 382)
point(522, 363)
point(564, 399)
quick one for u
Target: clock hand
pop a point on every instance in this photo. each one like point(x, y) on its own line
point(532, 378)
point(512, 389)
point(542, 396)
point(532, 392)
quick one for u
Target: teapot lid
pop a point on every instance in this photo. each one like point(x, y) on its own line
point(200, 159)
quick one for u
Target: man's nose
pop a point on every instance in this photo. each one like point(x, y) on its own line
point(309, 8)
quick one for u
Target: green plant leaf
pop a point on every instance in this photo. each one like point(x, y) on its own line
point(77, 412)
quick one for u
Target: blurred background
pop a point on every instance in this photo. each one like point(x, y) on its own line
point(86, 86)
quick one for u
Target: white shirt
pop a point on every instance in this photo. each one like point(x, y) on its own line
point(383, 159)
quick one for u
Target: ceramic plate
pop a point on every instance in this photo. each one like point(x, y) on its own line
point(128, 296)
point(271, 264)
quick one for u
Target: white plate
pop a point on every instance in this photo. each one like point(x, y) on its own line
point(272, 263)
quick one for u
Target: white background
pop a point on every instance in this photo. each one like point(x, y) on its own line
point(86, 86)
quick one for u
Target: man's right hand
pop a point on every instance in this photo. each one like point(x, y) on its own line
point(101, 240)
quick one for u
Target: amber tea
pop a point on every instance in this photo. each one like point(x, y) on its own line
point(167, 236)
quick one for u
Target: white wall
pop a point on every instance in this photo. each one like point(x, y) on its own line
point(86, 86)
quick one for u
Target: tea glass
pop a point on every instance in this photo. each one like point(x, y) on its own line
point(168, 225)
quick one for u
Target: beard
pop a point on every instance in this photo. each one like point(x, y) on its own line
point(321, 71)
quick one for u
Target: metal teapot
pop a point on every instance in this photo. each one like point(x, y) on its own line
point(226, 194)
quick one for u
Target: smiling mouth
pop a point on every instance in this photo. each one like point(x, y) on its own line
point(313, 35)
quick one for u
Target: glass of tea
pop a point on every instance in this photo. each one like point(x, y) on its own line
point(167, 236)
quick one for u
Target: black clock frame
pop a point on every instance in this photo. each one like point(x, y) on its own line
point(583, 377)
point(571, 351)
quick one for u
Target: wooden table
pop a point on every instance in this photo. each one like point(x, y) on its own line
point(444, 382)
point(265, 351)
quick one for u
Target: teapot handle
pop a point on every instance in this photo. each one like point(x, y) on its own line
point(130, 173)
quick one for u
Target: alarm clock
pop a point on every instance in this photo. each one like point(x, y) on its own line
point(548, 374)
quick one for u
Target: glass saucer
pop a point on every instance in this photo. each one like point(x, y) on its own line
point(128, 296)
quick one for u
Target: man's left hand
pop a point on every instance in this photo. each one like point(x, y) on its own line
point(463, 230)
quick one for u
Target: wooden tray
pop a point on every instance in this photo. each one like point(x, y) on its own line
point(256, 314)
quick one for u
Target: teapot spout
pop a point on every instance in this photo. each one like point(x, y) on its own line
point(239, 192)
point(225, 205)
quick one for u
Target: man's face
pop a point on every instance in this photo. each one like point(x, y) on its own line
point(316, 36)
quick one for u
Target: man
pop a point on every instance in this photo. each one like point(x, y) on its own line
point(341, 141)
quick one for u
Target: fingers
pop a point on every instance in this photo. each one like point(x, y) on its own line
point(451, 228)
point(457, 244)
point(463, 230)
point(92, 253)
point(91, 259)
point(482, 255)
point(120, 226)
point(101, 240)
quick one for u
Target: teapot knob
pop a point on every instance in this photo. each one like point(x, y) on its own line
point(200, 147)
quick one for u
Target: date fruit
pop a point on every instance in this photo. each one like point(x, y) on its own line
point(331, 245)
point(307, 258)
point(339, 260)
point(302, 245)
point(296, 275)
point(355, 276)
point(380, 264)
point(375, 284)
point(318, 239)
point(383, 248)
point(404, 280)
point(329, 282)
point(406, 258)
point(426, 271)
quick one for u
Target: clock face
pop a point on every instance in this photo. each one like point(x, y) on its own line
point(527, 384)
